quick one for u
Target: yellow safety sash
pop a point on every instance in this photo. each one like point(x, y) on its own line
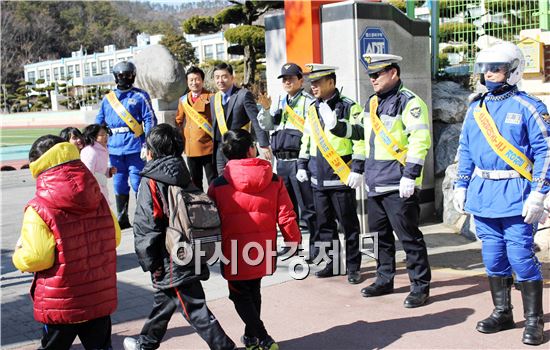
point(388, 141)
point(123, 113)
point(220, 116)
point(510, 154)
point(294, 118)
point(198, 118)
point(334, 160)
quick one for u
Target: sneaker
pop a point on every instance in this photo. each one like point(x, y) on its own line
point(268, 344)
point(131, 344)
point(250, 343)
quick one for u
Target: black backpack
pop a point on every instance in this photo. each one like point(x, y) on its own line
point(193, 224)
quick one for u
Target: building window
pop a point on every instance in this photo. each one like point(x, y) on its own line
point(103, 65)
point(208, 52)
point(32, 77)
point(56, 73)
point(41, 74)
point(111, 64)
point(77, 71)
point(62, 71)
point(48, 75)
point(70, 72)
point(86, 70)
point(220, 51)
point(94, 68)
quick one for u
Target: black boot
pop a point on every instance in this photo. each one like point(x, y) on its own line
point(122, 210)
point(531, 293)
point(502, 317)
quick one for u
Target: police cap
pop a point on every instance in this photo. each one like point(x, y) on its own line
point(290, 69)
point(318, 71)
point(378, 61)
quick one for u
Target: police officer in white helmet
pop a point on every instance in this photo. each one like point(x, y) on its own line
point(503, 177)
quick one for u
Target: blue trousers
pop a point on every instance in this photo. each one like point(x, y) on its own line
point(128, 166)
point(507, 246)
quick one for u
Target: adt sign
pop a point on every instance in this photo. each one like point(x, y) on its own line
point(373, 40)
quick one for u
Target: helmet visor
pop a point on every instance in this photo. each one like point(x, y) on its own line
point(494, 67)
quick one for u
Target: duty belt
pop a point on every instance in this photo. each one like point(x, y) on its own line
point(287, 154)
point(496, 174)
point(120, 130)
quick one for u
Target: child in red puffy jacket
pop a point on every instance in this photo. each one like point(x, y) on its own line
point(252, 201)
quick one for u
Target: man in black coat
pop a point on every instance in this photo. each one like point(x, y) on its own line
point(233, 108)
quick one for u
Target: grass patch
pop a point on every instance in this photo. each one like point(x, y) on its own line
point(15, 137)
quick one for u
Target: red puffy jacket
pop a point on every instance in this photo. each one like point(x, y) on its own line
point(81, 284)
point(252, 201)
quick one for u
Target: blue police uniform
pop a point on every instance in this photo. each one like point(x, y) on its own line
point(124, 148)
point(495, 198)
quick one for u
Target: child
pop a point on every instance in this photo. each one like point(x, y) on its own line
point(68, 240)
point(251, 201)
point(174, 283)
point(74, 136)
point(96, 156)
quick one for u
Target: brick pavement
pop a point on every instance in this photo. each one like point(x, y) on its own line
point(313, 313)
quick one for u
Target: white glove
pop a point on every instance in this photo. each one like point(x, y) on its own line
point(406, 187)
point(328, 115)
point(354, 180)
point(546, 214)
point(301, 175)
point(533, 208)
point(459, 199)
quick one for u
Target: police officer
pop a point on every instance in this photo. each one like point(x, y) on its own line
point(127, 112)
point(395, 140)
point(287, 119)
point(503, 176)
point(324, 157)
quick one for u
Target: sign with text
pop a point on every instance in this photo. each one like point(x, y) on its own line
point(373, 40)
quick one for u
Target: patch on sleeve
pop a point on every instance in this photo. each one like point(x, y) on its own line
point(416, 111)
point(513, 118)
point(546, 118)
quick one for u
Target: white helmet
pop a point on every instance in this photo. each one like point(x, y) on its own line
point(503, 55)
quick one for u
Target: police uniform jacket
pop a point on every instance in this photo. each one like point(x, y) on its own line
point(406, 118)
point(523, 121)
point(286, 137)
point(311, 159)
point(138, 103)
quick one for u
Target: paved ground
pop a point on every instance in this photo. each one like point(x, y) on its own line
point(307, 314)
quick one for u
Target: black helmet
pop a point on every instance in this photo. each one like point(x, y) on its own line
point(125, 74)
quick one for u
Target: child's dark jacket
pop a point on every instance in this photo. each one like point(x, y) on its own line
point(150, 223)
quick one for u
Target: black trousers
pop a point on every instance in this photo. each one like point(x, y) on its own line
point(196, 164)
point(192, 299)
point(338, 204)
point(301, 196)
point(94, 334)
point(388, 213)
point(248, 302)
point(220, 159)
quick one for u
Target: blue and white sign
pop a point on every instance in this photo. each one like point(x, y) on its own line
point(373, 40)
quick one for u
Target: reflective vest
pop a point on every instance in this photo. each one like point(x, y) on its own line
point(406, 118)
point(322, 175)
